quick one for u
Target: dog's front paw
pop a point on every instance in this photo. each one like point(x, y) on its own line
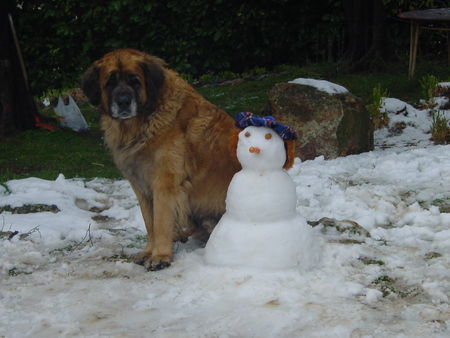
point(143, 257)
point(158, 263)
point(152, 263)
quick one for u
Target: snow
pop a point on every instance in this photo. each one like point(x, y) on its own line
point(70, 277)
point(408, 125)
point(444, 84)
point(322, 85)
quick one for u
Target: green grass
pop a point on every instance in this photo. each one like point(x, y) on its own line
point(45, 154)
point(248, 95)
point(252, 95)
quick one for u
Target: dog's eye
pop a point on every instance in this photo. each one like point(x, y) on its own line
point(112, 80)
point(268, 136)
point(133, 80)
point(247, 134)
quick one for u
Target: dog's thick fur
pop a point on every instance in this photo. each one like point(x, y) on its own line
point(168, 141)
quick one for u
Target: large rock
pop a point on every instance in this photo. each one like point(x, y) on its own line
point(331, 125)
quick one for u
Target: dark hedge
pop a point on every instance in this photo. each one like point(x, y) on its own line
point(60, 38)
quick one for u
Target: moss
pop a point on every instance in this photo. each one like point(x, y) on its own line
point(30, 208)
point(371, 261)
point(388, 285)
point(16, 272)
point(119, 257)
point(355, 131)
point(432, 255)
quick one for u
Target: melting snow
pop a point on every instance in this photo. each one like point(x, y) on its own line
point(322, 85)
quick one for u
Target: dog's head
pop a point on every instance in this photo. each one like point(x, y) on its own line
point(124, 83)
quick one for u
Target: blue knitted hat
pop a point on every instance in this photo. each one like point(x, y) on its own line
point(246, 119)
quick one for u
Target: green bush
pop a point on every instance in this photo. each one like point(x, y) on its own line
point(429, 86)
point(60, 38)
point(440, 131)
point(379, 119)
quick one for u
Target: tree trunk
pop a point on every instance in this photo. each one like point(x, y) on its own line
point(17, 108)
point(365, 21)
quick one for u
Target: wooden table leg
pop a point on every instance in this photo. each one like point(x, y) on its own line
point(414, 42)
point(411, 39)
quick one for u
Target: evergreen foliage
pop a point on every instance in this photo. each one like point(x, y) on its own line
point(60, 38)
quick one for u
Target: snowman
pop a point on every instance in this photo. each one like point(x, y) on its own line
point(261, 228)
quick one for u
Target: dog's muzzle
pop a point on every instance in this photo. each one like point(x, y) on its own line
point(123, 105)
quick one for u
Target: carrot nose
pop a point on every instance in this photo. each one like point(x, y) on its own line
point(255, 150)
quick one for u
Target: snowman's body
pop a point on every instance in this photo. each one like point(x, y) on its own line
point(261, 227)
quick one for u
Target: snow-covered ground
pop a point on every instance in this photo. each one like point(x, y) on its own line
point(65, 273)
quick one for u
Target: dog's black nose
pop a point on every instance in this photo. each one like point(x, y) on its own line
point(123, 101)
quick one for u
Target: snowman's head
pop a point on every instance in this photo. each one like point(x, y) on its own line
point(261, 148)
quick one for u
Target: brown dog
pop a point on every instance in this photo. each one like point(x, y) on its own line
point(168, 141)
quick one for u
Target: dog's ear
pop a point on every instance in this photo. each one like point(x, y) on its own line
point(290, 154)
point(234, 139)
point(90, 84)
point(154, 76)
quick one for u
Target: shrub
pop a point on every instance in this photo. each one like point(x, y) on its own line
point(440, 131)
point(59, 39)
point(379, 119)
point(429, 85)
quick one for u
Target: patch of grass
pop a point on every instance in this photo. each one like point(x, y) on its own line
point(443, 204)
point(141, 238)
point(16, 272)
point(63, 250)
point(119, 257)
point(429, 86)
point(380, 119)
point(371, 261)
point(387, 286)
point(248, 95)
point(30, 208)
point(258, 71)
point(440, 131)
point(45, 154)
point(394, 78)
point(383, 279)
point(227, 75)
point(432, 255)
point(52, 93)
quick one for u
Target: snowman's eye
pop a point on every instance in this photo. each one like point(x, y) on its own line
point(247, 134)
point(268, 136)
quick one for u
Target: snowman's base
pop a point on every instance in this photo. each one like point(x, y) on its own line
point(283, 244)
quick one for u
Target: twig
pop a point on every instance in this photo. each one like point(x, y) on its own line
point(26, 234)
point(86, 235)
point(4, 223)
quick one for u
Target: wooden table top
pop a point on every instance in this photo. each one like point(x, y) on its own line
point(427, 15)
